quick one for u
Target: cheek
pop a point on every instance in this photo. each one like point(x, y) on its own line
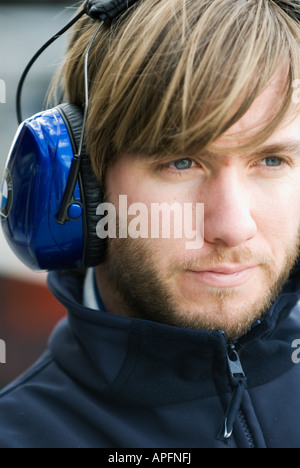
point(141, 193)
point(141, 189)
point(123, 180)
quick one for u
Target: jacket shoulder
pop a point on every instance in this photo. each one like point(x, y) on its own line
point(26, 406)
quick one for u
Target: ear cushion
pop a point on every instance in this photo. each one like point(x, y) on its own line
point(91, 192)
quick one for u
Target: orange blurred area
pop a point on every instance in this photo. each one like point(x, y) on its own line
point(28, 314)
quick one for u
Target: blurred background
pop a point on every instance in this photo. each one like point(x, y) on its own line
point(28, 311)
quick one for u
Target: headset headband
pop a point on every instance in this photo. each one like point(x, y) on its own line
point(106, 10)
point(103, 10)
point(291, 9)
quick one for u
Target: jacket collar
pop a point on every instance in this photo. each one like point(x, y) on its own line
point(148, 364)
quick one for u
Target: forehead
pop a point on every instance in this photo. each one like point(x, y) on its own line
point(258, 116)
point(285, 139)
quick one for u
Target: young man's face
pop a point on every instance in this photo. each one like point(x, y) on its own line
point(251, 230)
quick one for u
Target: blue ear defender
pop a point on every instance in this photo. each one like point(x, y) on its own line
point(49, 193)
point(33, 187)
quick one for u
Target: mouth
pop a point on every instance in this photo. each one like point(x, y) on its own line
point(223, 276)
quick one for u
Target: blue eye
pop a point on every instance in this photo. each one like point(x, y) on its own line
point(182, 164)
point(273, 162)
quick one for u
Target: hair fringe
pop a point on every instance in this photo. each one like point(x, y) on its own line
point(171, 77)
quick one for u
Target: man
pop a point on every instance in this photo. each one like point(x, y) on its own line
point(190, 102)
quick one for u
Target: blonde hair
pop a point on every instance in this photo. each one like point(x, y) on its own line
point(171, 76)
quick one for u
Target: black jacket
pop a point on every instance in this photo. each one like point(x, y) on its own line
point(114, 382)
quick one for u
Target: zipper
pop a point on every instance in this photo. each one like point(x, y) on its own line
point(238, 382)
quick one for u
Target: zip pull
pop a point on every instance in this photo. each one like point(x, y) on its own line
point(237, 373)
point(238, 380)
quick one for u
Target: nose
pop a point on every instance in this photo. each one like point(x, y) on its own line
point(228, 209)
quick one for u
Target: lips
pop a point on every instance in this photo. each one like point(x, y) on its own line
point(225, 276)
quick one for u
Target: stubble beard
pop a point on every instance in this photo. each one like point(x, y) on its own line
point(143, 291)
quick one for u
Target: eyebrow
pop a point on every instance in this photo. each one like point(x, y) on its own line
point(287, 148)
point(291, 148)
